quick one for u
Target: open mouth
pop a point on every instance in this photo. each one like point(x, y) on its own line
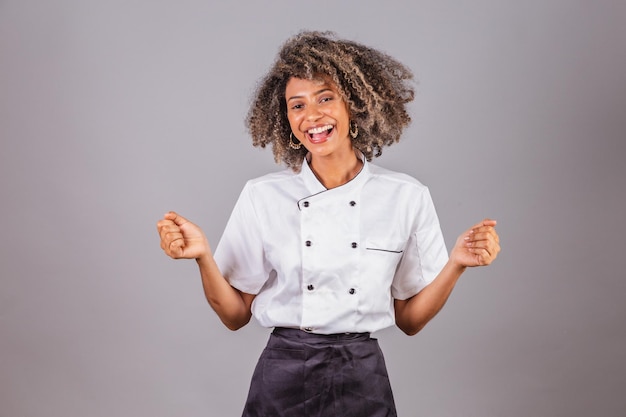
point(320, 133)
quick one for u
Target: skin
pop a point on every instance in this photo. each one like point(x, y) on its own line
point(477, 246)
point(317, 103)
point(314, 104)
point(182, 239)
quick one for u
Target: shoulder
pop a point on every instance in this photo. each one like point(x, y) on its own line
point(395, 179)
point(272, 179)
point(270, 188)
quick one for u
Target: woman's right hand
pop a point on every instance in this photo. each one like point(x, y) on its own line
point(180, 238)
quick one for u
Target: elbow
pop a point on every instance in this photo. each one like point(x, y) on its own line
point(236, 323)
point(410, 330)
point(410, 327)
point(232, 317)
point(407, 319)
point(410, 321)
point(234, 326)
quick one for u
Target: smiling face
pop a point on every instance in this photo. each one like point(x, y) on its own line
point(318, 116)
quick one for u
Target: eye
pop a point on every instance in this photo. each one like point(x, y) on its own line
point(297, 106)
point(325, 99)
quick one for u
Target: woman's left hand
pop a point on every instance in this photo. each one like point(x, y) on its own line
point(477, 246)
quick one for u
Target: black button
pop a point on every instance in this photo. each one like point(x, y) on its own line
point(354, 245)
point(305, 204)
point(353, 203)
point(308, 243)
point(310, 287)
point(352, 291)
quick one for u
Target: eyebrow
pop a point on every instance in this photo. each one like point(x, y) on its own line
point(323, 90)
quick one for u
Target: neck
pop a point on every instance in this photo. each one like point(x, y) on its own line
point(334, 171)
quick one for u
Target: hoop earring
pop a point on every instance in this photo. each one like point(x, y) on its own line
point(354, 129)
point(292, 144)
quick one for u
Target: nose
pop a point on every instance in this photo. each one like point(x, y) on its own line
point(313, 112)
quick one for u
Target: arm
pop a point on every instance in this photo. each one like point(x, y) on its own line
point(478, 246)
point(181, 239)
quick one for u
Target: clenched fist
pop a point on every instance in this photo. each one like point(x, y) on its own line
point(180, 238)
point(477, 246)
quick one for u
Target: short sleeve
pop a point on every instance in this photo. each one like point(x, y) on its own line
point(239, 253)
point(425, 254)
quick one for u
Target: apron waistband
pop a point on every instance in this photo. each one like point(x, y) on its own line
point(301, 335)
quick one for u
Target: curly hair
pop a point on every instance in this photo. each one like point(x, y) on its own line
point(375, 86)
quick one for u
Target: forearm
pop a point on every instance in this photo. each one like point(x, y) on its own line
point(228, 302)
point(414, 313)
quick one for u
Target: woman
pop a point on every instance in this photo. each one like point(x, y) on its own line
point(332, 248)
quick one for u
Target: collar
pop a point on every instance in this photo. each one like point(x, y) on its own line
point(314, 186)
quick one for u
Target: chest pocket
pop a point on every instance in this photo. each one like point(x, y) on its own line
point(385, 245)
point(382, 257)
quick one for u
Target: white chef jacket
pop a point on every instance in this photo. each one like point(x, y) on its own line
point(331, 260)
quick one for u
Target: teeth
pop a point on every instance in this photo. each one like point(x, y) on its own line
point(319, 129)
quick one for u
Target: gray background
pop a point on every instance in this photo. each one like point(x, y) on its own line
point(113, 112)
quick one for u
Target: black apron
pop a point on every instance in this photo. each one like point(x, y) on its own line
point(303, 374)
